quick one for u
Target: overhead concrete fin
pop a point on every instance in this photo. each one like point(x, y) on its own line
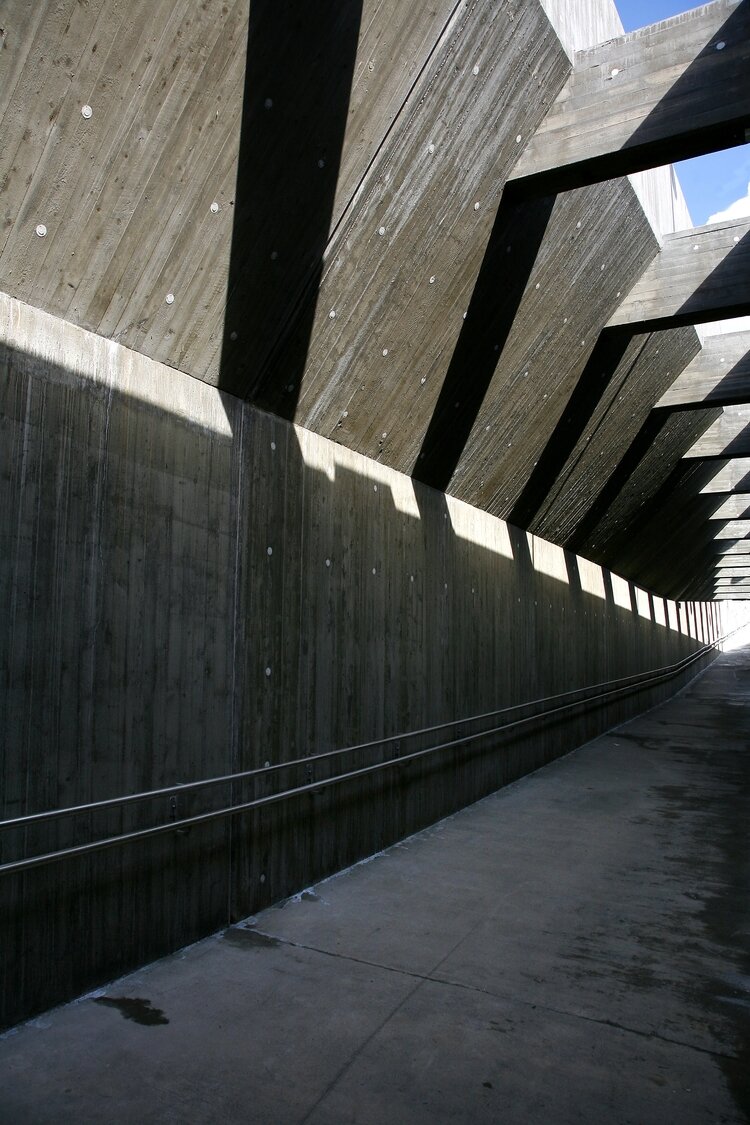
point(736, 507)
point(732, 475)
point(734, 548)
point(718, 376)
point(735, 529)
point(699, 275)
point(675, 89)
point(728, 436)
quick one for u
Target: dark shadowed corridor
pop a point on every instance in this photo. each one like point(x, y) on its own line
point(574, 948)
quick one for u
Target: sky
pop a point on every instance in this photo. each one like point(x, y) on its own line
point(716, 186)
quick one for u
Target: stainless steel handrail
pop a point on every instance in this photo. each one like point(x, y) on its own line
point(225, 779)
point(316, 786)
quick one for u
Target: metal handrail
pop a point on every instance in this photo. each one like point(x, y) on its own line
point(205, 783)
point(316, 786)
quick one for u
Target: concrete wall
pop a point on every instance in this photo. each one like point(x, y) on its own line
point(191, 587)
point(584, 23)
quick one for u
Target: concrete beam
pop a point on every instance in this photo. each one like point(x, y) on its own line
point(634, 492)
point(608, 413)
point(663, 93)
point(733, 508)
point(740, 548)
point(699, 275)
point(729, 435)
point(723, 563)
point(718, 376)
point(675, 517)
point(732, 475)
point(735, 529)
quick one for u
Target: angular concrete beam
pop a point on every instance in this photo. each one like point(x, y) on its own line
point(675, 89)
point(699, 275)
point(725, 550)
point(734, 508)
point(731, 562)
point(732, 475)
point(728, 436)
point(735, 529)
point(718, 376)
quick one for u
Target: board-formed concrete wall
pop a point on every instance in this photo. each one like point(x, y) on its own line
point(393, 240)
point(190, 587)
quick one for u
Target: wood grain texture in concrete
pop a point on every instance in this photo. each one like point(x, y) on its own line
point(699, 275)
point(192, 587)
point(718, 375)
point(734, 529)
point(332, 238)
point(727, 436)
point(603, 419)
point(400, 272)
point(679, 523)
point(668, 91)
point(730, 475)
point(647, 466)
point(182, 95)
point(571, 949)
point(598, 239)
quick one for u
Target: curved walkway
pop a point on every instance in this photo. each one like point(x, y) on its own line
point(575, 948)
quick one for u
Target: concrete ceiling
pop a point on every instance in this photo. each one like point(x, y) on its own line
point(370, 218)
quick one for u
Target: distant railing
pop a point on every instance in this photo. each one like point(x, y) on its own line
point(591, 694)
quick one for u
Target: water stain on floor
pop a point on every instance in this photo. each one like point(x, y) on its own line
point(134, 1008)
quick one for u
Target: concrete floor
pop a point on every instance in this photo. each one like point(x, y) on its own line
point(575, 948)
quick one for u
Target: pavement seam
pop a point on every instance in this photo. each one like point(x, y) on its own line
point(430, 978)
point(420, 980)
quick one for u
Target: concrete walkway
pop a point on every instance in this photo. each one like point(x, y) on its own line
point(575, 948)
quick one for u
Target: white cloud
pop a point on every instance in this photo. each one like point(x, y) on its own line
point(740, 209)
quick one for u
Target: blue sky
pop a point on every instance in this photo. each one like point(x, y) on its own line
point(711, 183)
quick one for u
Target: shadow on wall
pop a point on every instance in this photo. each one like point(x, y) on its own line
point(298, 79)
point(494, 305)
point(679, 519)
point(675, 430)
point(603, 364)
point(182, 603)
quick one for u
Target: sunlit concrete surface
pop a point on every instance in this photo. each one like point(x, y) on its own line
point(574, 948)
